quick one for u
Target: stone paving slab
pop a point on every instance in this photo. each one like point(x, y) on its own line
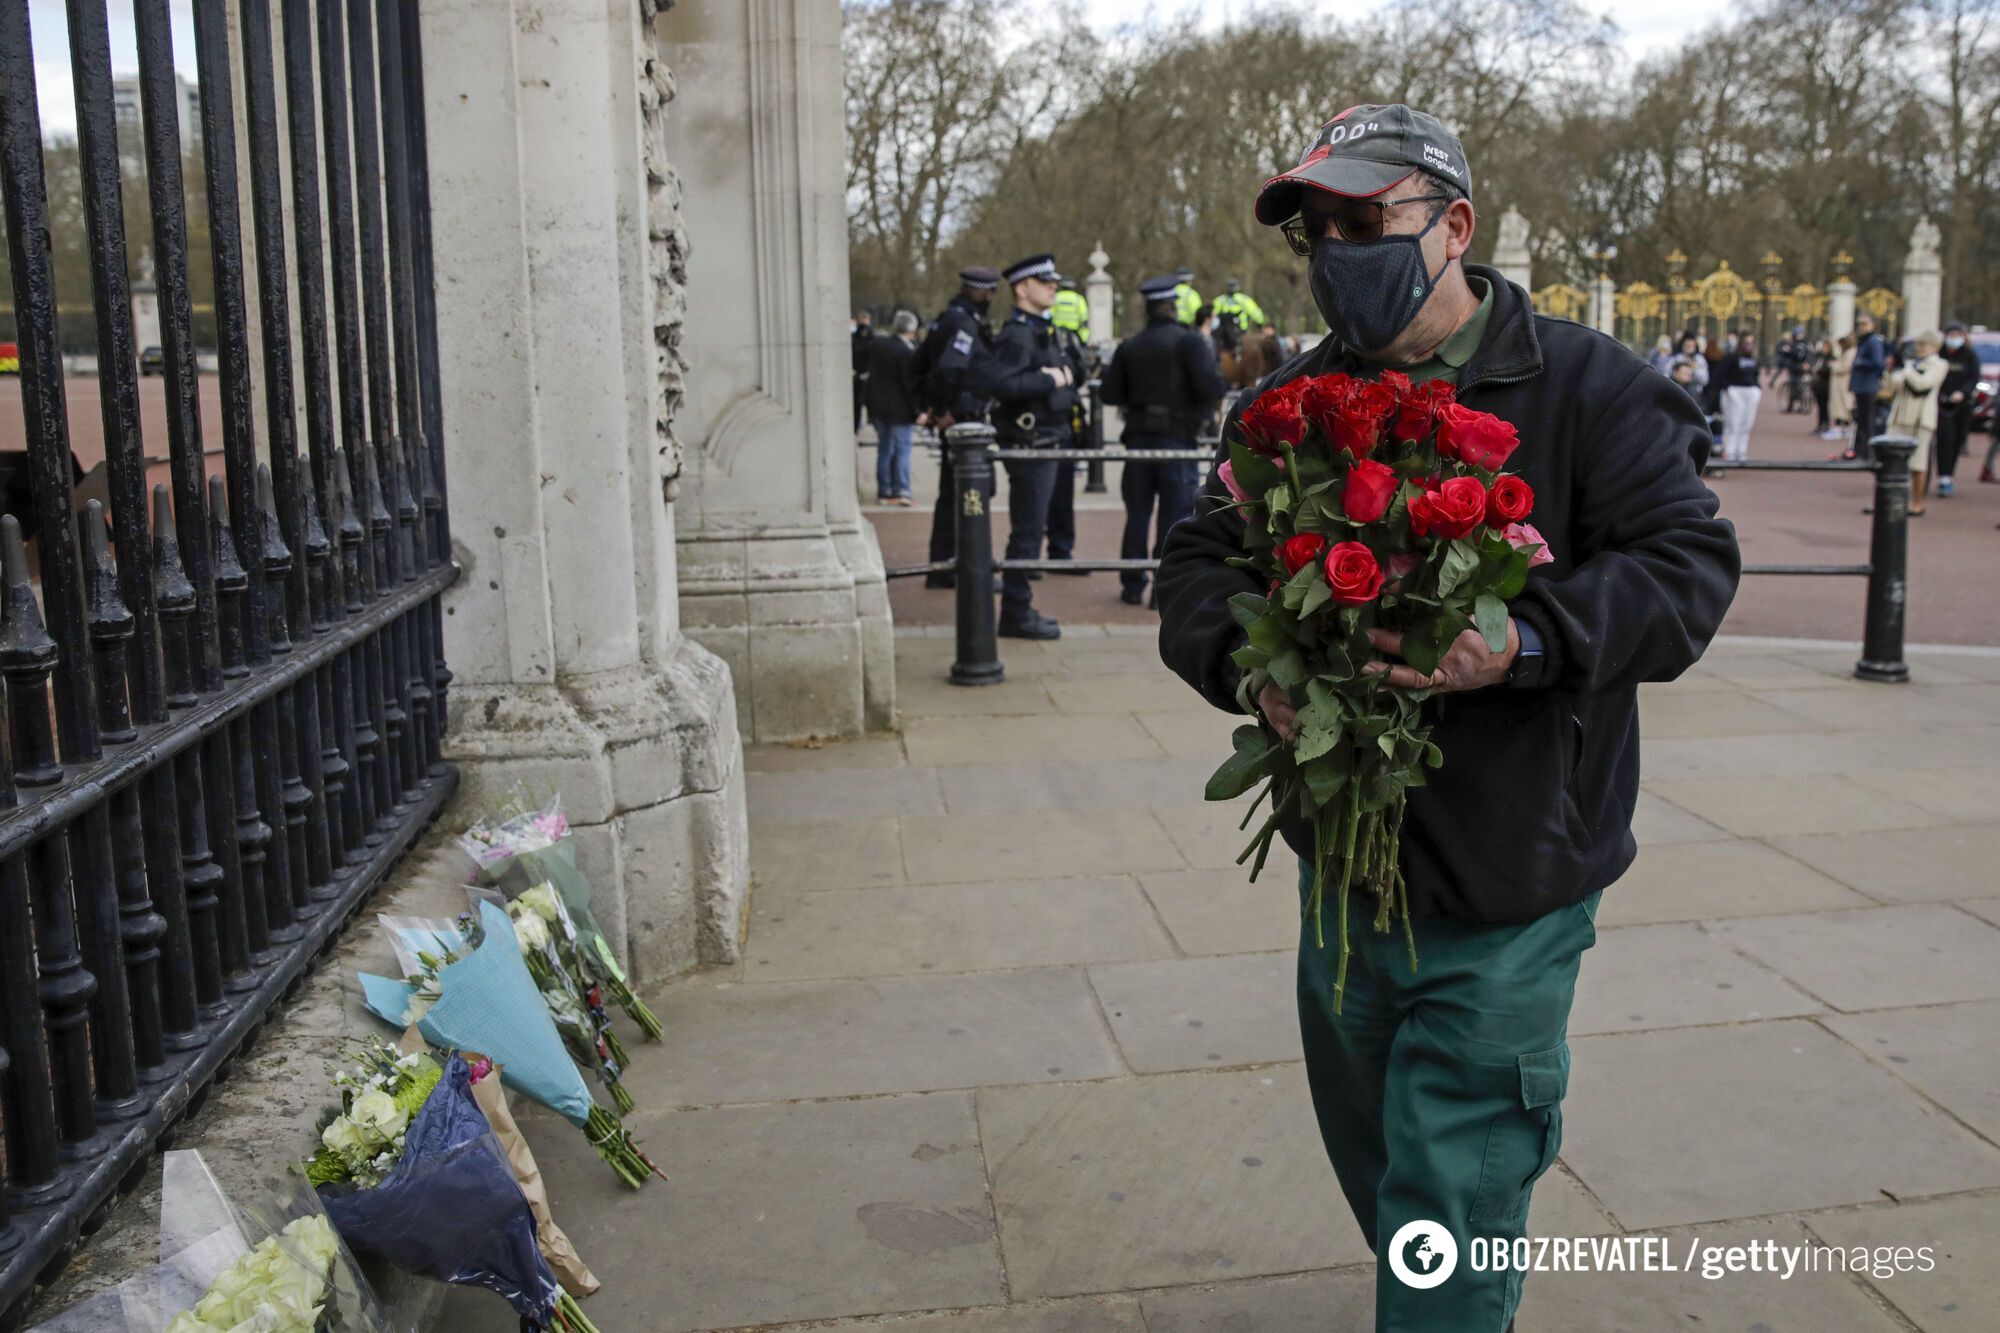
point(1986, 909)
point(1963, 795)
point(828, 854)
point(1342, 1299)
point(1210, 836)
point(809, 797)
point(1773, 806)
point(1959, 1294)
point(861, 752)
point(1197, 1013)
point(1696, 881)
point(1084, 1314)
point(1919, 953)
point(1928, 1049)
point(953, 928)
point(780, 1213)
point(948, 849)
point(1124, 692)
point(1018, 695)
point(1658, 820)
point(1639, 977)
point(1887, 708)
point(1194, 735)
point(1221, 911)
point(770, 1042)
point(1708, 1124)
point(1906, 865)
point(1132, 784)
point(1668, 758)
point(1670, 713)
point(1160, 1181)
point(1026, 740)
point(1667, 1302)
point(1964, 744)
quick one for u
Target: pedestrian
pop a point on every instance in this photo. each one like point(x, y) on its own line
point(1662, 358)
point(1033, 385)
point(1914, 409)
point(859, 332)
point(1822, 385)
point(1840, 389)
point(1690, 351)
point(892, 405)
point(1711, 391)
point(1187, 301)
point(943, 372)
point(1871, 357)
point(1955, 406)
point(1740, 396)
point(1438, 1092)
point(1165, 381)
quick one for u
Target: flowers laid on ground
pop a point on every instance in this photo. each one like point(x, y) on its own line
point(480, 996)
point(548, 945)
point(443, 1199)
point(280, 1286)
point(1365, 505)
point(529, 846)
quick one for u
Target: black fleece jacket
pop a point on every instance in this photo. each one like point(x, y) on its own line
point(1532, 808)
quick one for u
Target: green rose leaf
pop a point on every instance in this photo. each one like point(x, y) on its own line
point(1249, 765)
point(1459, 563)
point(1490, 614)
point(1325, 775)
point(1318, 595)
point(1248, 607)
point(1288, 669)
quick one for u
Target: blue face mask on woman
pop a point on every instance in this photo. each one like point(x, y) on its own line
point(1369, 293)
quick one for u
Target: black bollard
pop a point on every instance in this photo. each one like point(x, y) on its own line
point(1093, 479)
point(978, 660)
point(1888, 562)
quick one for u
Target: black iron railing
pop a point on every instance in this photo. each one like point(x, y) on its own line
point(223, 702)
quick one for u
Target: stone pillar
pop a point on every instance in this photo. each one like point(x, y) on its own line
point(1923, 281)
point(1603, 308)
point(1098, 291)
point(558, 277)
point(145, 314)
point(778, 574)
point(1510, 250)
point(1839, 308)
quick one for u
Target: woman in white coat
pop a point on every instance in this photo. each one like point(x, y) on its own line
point(1914, 410)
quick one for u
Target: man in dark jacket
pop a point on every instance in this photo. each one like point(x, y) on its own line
point(1033, 385)
point(1438, 1092)
point(1955, 404)
point(942, 372)
point(892, 407)
point(1166, 381)
point(1871, 359)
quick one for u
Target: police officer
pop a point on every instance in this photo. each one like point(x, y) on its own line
point(942, 372)
point(1237, 315)
point(1033, 387)
point(1165, 380)
point(1071, 311)
point(1062, 501)
point(1187, 301)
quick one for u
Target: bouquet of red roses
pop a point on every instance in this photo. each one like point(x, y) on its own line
point(1365, 505)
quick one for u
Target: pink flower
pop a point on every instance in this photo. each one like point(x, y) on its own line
point(1522, 536)
point(1400, 567)
point(1228, 474)
point(481, 1068)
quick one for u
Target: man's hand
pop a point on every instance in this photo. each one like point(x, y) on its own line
point(1277, 708)
point(1058, 375)
point(1467, 665)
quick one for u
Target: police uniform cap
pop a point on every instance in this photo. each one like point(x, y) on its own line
point(980, 277)
point(1034, 266)
point(1158, 289)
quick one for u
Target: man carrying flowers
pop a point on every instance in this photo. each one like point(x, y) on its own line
point(1439, 554)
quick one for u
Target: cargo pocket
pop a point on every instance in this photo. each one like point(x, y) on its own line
point(1523, 1139)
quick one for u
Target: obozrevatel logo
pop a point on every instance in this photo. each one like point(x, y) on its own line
point(1422, 1254)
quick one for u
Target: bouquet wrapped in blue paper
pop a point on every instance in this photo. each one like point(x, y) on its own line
point(483, 999)
point(446, 1204)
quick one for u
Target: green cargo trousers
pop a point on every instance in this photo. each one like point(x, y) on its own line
point(1439, 1093)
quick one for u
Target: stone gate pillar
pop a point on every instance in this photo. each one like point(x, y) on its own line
point(1098, 291)
point(1510, 250)
point(1923, 280)
point(778, 574)
point(559, 293)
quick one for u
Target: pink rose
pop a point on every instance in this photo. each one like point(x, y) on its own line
point(1400, 567)
point(1228, 474)
point(1521, 536)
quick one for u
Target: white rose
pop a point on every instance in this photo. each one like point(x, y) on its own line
point(531, 933)
point(379, 1118)
point(343, 1136)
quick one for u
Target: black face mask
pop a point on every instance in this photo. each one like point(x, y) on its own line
point(1368, 294)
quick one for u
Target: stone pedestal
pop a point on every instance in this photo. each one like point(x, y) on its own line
point(1100, 293)
point(1839, 308)
point(145, 314)
point(1923, 281)
point(558, 277)
point(1603, 304)
point(779, 576)
point(1510, 250)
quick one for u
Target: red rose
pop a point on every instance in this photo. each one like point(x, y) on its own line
point(1455, 508)
point(1420, 406)
point(1322, 397)
point(1510, 501)
point(1478, 438)
point(1370, 487)
point(1295, 553)
point(1272, 422)
point(1357, 427)
point(1396, 382)
point(1353, 575)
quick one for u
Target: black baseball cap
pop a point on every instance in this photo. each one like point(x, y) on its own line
point(1363, 151)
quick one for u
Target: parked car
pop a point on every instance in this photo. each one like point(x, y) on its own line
point(1987, 347)
point(152, 361)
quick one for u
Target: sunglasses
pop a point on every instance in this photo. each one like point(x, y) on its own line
point(1358, 221)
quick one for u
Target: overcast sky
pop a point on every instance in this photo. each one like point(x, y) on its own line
point(1645, 24)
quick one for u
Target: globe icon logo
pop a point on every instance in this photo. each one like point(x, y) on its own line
point(1422, 1254)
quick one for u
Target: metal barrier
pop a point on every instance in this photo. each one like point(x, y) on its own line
point(223, 716)
point(978, 657)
